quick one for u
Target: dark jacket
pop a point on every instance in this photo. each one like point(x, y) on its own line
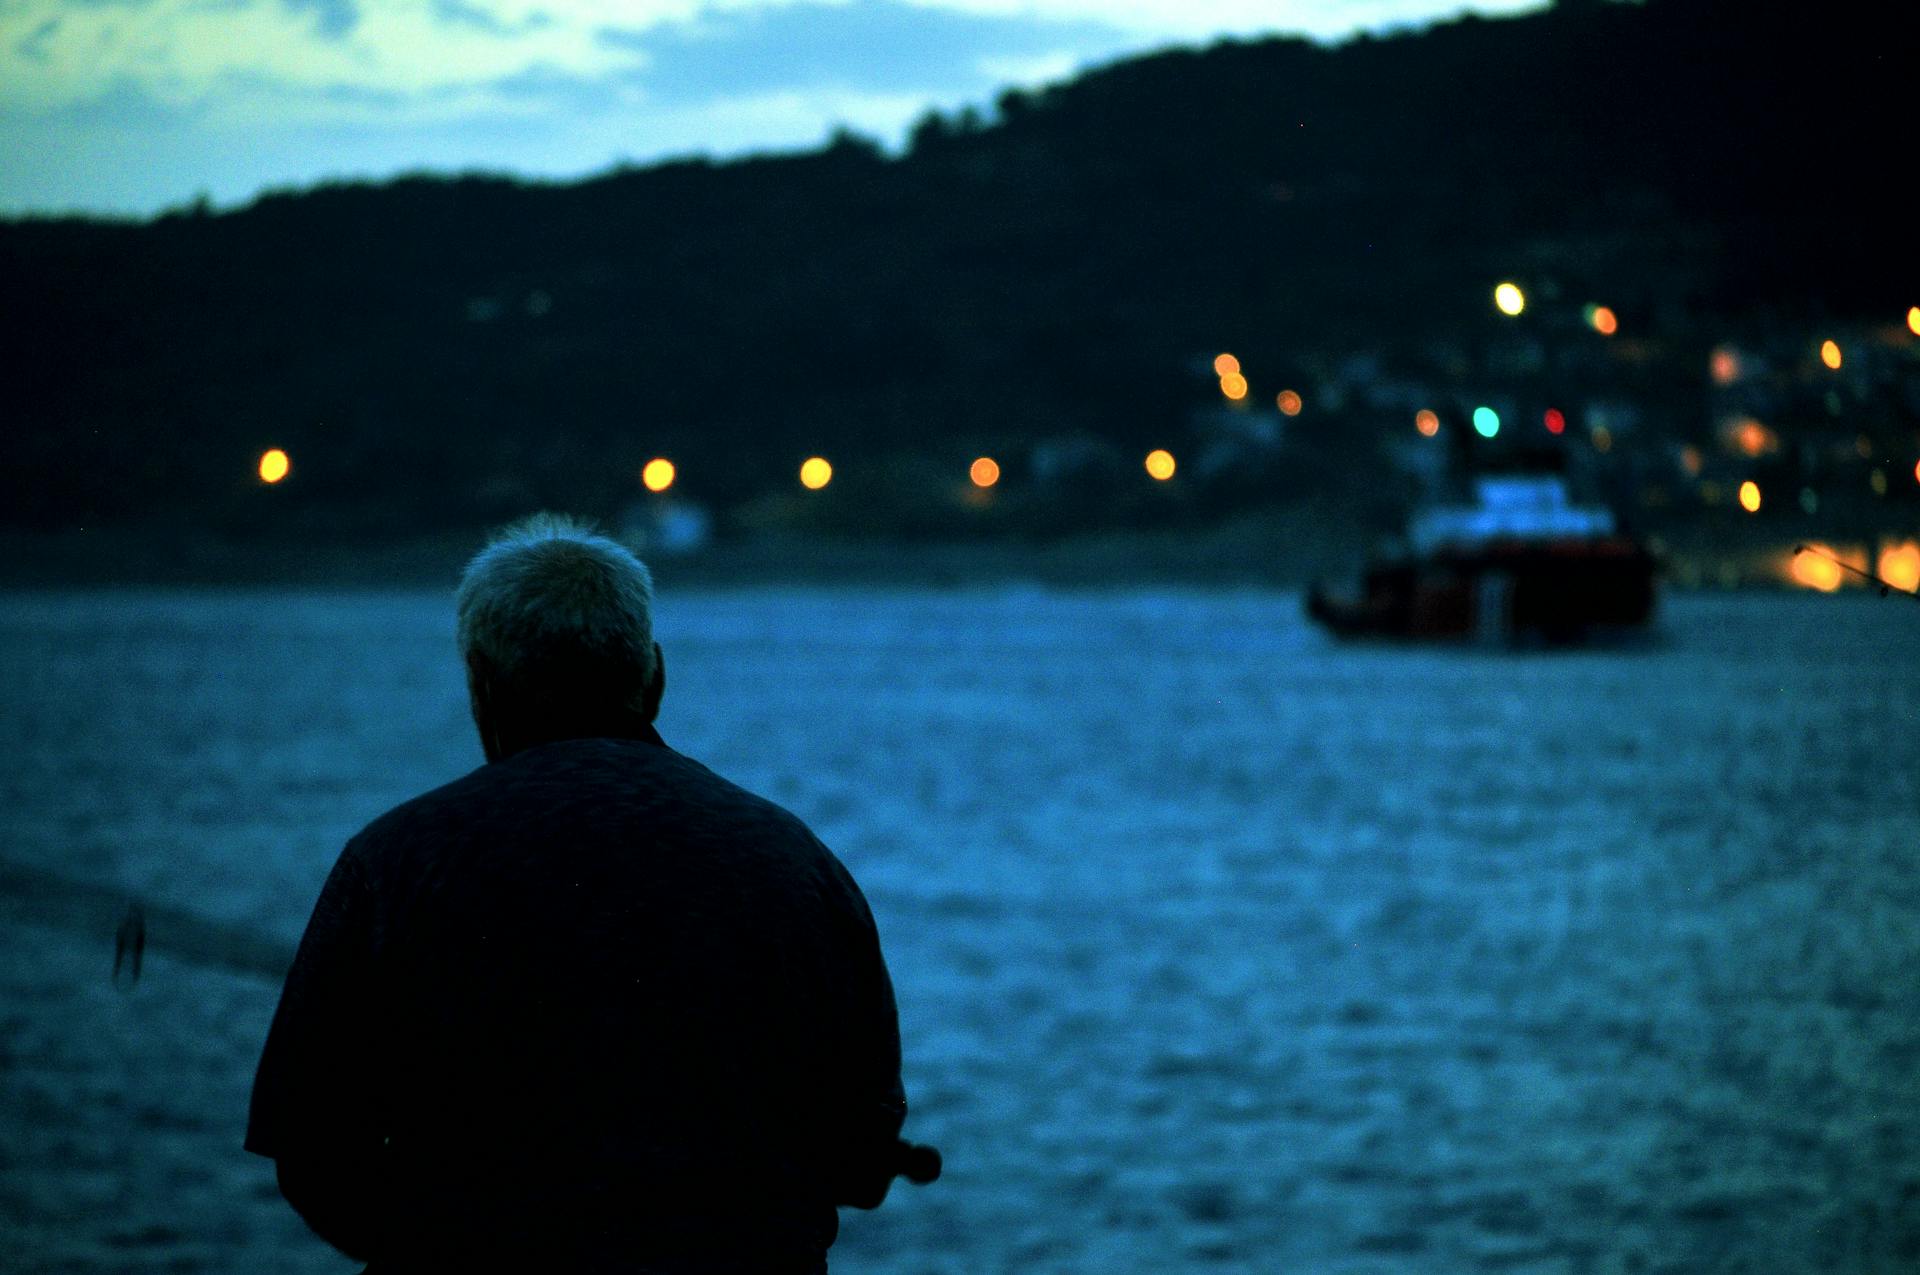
point(591, 1007)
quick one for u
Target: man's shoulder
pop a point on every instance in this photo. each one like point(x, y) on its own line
point(573, 777)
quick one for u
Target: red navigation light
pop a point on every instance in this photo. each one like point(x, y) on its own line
point(1556, 421)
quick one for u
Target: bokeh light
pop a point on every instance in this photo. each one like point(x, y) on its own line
point(1160, 463)
point(1900, 564)
point(1603, 320)
point(984, 472)
point(1602, 439)
point(1289, 402)
point(1913, 319)
point(1814, 569)
point(658, 474)
point(1830, 354)
point(1234, 386)
point(1692, 460)
point(1556, 421)
point(815, 473)
point(274, 465)
point(1486, 422)
point(1751, 438)
point(1750, 496)
point(1724, 366)
point(1509, 299)
point(1225, 365)
point(1427, 422)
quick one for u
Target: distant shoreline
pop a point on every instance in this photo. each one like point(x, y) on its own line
point(1264, 550)
point(1275, 551)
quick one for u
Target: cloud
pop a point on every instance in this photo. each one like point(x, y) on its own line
point(117, 97)
point(1161, 21)
point(34, 47)
point(879, 46)
point(459, 13)
point(334, 18)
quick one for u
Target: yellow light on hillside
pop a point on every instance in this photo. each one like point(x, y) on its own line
point(274, 465)
point(1830, 355)
point(1815, 570)
point(1288, 401)
point(815, 473)
point(1234, 386)
point(658, 475)
point(985, 472)
point(1225, 365)
point(1913, 319)
point(1427, 422)
point(1750, 496)
point(1509, 299)
point(1900, 565)
point(1160, 463)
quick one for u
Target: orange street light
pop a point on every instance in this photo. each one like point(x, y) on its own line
point(1160, 464)
point(985, 472)
point(815, 473)
point(1900, 565)
point(1815, 567)
point(658, 474)
point(274, 465)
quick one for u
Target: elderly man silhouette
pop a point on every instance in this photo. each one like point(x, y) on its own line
point(591, 1007)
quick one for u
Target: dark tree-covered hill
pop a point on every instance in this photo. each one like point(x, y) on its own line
point(436, 351)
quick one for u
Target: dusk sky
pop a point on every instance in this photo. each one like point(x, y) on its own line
point(135, 105)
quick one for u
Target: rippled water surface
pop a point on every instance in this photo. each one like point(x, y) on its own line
point(1218, 946)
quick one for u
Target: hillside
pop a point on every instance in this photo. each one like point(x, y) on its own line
point(437, 351)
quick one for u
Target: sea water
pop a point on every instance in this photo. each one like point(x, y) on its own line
point(1219, 946)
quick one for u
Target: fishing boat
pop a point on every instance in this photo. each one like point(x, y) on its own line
point(1520, 560)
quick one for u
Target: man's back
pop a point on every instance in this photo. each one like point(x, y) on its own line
point(599, 1007)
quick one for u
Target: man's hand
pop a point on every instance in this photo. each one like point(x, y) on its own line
point(865, 1185)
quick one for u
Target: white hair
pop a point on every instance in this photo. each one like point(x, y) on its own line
point(560, 614)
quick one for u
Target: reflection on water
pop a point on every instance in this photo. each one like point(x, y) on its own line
point(1217, 945)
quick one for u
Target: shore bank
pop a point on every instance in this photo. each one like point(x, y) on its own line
point(1273, 549)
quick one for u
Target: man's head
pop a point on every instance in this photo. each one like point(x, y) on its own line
point(556, 628)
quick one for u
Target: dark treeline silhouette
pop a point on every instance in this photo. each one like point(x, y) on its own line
point(445, 351)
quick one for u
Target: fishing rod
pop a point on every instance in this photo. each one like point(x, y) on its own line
point(140, 929)
point(1872, 579)
point(53, 899)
